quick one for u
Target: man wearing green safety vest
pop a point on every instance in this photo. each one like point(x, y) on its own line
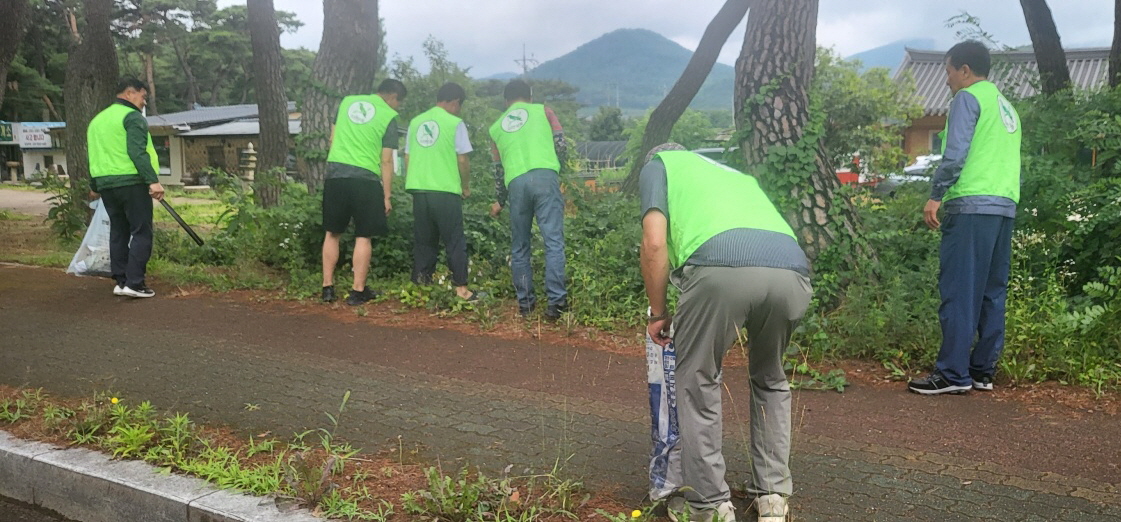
point(123, 171)
point(363, 144)
point(437, 173)
point(713, 232)
point(977, 186)
point(529, 148)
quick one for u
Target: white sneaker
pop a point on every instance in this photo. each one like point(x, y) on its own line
point(680, 511)
point(143, 291)
point(118, 290)
point(771, 508)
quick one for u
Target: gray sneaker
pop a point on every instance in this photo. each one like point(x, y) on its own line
point(681, 511)
point(771, 508)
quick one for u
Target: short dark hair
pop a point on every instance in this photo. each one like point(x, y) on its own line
point(131, 83)
point(391, 86)
point(971, 53)
point(451, 91)
point(517, 90)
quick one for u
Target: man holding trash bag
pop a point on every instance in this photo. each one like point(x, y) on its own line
point(123, 170)
point(737, 263)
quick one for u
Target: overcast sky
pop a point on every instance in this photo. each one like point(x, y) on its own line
point(487, 35)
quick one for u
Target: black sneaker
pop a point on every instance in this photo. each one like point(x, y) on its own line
point(524, 311)
point(139, 292)
point(983, 382)
point(554, 311)
point(356, 298)
point(329, 294)
point(936, 384)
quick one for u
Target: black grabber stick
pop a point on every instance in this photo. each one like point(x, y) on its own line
point(186, 227)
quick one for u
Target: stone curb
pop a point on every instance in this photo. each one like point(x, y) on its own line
point(88, 486)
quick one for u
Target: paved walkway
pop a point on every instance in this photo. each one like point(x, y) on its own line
point(867, 454)
point(34, 203)
point(11, 511)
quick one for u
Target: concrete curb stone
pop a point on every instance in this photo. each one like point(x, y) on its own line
point(88, 486)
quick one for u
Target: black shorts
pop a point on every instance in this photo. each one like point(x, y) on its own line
point(358, 198)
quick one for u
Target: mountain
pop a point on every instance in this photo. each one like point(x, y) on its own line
point(638, 67)
point(890, 55)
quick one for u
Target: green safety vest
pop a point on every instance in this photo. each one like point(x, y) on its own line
point(107, 140)
point(524, 138)
point(706, 198)
point(433, 163)
point(359, 129)
point(993, 165)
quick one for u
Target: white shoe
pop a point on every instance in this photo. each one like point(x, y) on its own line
point(680, 511)
point(771, 508)
point(140, 292)
point(118, 290)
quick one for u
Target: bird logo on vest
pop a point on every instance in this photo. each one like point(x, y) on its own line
point(514, 120)
point(361, 112)
point(427, 133)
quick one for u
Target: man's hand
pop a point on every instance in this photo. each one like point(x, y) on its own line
point(466, 192)
point(495, 208)
point(94, 195)
point(659, 330)
point(388, 206)
point(930, 214)
point(156, 191)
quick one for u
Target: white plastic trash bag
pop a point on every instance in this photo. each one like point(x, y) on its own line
point(92, 258)
point(665, 459)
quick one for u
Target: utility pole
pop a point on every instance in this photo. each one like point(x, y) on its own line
point(527, 63)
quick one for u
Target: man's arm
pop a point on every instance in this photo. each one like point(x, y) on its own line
point(462, 149)
point(559, 143)
point(655, 274)
point(499, 182)
point(387, 176)
point(964, 113)
point(136, 137)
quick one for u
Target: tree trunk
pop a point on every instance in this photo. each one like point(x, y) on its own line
point(344, 65)
point(1115, 53)
point(91, 81)
point(192, 82)
point(1054, 75)
point(662, 120)
point(780, 139)
point(150, 79)
point(272, 104)
point(15, 17)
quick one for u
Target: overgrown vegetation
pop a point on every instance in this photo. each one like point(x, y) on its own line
point(315, 469)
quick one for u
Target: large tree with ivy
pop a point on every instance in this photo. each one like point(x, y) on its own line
point(780, 132)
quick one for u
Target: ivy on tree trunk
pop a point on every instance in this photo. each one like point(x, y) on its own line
point(666, 114)
point(1115, 52)
point(780, 133)
point(272, 104)
point(345, 65)
point(91, 82)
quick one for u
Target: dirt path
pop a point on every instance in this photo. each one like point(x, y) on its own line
point(34, 203)
point(874, 452)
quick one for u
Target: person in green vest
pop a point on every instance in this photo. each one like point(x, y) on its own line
point(438, 172)
point(977, 187)
point(529, 147)
point(124, 173)
point(713, 232)
point(363, 144)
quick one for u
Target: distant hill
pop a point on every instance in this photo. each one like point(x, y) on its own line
point(890, 55)
point(639, 66)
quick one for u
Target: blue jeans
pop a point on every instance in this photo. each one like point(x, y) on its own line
point(537, 194)
point(976, 256)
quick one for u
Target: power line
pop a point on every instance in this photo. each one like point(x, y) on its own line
point(526, 63)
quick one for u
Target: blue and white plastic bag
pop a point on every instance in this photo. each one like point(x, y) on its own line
point(665, 459)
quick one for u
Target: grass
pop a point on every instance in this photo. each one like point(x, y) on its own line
point(193, 213)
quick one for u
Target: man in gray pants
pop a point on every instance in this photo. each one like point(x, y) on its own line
point(737, 263)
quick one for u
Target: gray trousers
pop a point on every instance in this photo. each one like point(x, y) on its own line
point(715, 302)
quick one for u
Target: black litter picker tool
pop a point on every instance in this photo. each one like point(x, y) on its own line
point(190, 231)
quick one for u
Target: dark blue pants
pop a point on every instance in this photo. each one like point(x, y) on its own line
point(130, 233)
point(975, 260)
